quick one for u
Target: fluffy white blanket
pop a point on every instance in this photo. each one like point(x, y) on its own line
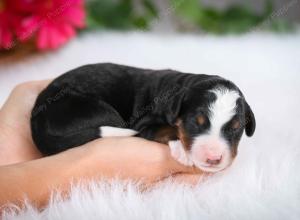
point(264, 181)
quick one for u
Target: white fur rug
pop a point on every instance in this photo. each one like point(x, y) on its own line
point(264, 181)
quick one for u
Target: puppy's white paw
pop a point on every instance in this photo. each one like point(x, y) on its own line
point(108, 131)
point(179, 154)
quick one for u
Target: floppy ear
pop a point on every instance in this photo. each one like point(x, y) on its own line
point(250, 122)
point(174, 106)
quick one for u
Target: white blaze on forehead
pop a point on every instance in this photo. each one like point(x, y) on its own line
point(223, 109)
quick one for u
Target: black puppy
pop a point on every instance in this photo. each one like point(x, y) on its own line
point(200, 117)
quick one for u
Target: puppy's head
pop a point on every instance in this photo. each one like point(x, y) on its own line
point(211, 121)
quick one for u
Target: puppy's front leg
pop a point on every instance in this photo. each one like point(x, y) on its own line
point(178, 153)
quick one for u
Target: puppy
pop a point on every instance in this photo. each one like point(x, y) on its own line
point(200, 117)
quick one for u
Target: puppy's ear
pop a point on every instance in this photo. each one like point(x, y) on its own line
point(174, 106)
point(250, 122)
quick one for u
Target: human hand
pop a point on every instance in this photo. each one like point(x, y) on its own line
point(16, 144)
point(133, 159)
point(136, 159)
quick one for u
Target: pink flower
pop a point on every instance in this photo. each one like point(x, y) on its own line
point(50, 22)
point(53, 22)
point(6, 36)
point(8, 21)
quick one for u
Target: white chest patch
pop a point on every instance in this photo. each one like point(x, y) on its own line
point(223, 109)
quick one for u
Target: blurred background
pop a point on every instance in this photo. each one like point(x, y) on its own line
point(50, 24)
point(238, 39)
point(254, 43)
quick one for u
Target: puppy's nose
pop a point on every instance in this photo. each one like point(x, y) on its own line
point(214, 160)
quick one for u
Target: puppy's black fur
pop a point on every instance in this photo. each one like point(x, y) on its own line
point(71, 109)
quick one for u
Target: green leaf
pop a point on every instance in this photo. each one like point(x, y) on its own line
point(141, 23)
point(189, 9)
point(234, 19)
point(150, 8)
point(122, 14)
point(119, 14)
point(281, 26)
point(109, 14)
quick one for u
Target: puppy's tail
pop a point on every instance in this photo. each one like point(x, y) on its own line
point(50, 144)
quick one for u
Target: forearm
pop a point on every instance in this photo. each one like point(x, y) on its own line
point(130, 158)
point(36, 179)
point(125, 158)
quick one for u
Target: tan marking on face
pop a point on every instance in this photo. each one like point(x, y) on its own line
point(165, 134)
point(234, 150)
point(182, 135)
point(201, 120)
point(236, 124)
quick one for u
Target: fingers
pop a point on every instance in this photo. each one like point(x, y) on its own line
point(188, 169)
point(25, 94)
point(160, 152)
point(139, 159)
point(34, 86)
point(177, 167)
point(191, 179)
point(16, 111)
point(41, 84)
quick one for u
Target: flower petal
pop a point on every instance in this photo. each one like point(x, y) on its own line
point(6, 39)
point(42, 38)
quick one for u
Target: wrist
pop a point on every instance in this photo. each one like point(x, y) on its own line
point(104, 158)
point(81, 163)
